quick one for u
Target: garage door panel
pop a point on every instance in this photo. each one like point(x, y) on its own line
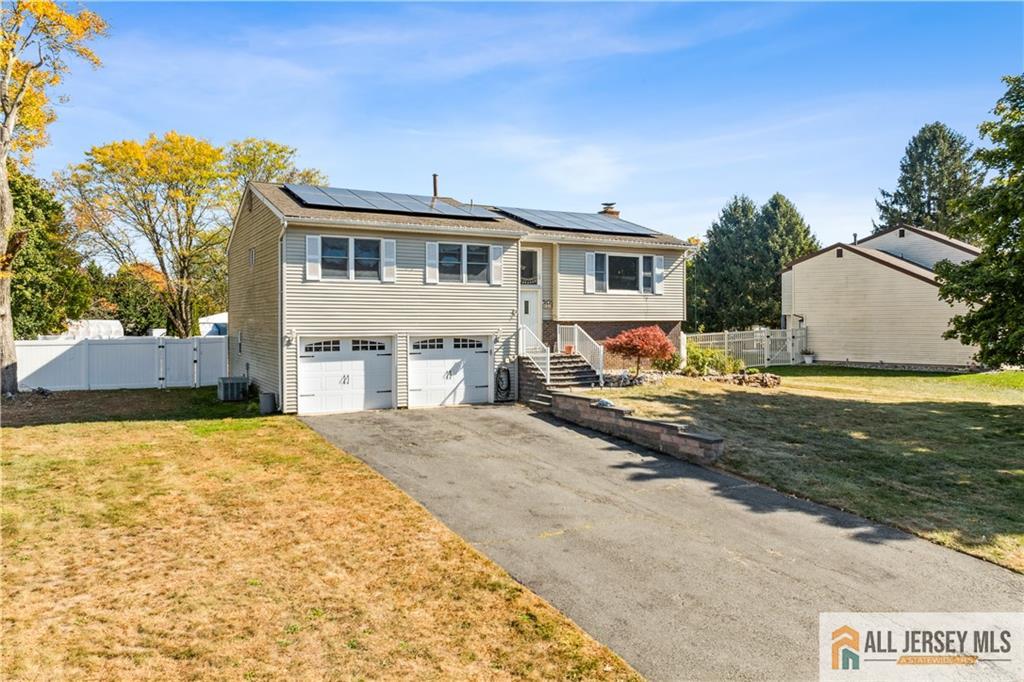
point(345, 374)
point(448, 371)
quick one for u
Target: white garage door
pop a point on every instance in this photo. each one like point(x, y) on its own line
point(345, 375)
point(448, 370)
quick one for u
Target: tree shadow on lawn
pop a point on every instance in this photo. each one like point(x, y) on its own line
point(69, 407)
point(953, 470)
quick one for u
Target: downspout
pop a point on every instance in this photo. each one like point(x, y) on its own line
point(554, 288)
point(280, 315)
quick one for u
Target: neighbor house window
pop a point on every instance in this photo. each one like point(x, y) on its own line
point(528, 270)
point(367, 258)
point(648, 283)
point(334, 256)
point(902, 233)
point(623, 273)
point(449, 262)
point(839, 253)
point(478, 260)
point(601, 272)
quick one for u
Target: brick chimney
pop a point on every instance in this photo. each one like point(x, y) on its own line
point(608, 209)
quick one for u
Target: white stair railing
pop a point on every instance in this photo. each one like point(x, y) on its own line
point(584, 346)
point(533, 348)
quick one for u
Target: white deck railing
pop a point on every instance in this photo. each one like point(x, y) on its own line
point(590, 350)
point(757, 348)
point(533, 348)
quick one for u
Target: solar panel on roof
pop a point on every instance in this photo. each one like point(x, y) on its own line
point(384, 202)
point(580, 222)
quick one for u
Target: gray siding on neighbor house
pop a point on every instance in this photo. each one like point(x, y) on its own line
point(253, 296)
point(575, 304)
point(917, 248)
point(406, 307)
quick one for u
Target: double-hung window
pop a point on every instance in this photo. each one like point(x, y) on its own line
point(648, 275)
point(478, 260)
point(367, 258)
point(601, 272)
point(449, 262)
point(334, 256)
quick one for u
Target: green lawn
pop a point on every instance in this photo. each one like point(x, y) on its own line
point(939, 455)
point(163, 535)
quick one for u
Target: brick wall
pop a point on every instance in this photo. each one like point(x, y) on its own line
point(671, 439)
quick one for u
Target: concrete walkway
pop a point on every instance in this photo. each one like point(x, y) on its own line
point(687, 573)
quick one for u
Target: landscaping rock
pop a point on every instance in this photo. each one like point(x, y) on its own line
point(761, 379)
point(625, 379)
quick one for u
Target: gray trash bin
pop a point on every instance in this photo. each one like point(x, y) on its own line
point(268, 403)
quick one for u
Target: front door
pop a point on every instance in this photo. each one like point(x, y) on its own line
point(529, 310)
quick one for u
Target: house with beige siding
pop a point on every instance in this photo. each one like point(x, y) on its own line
point(345, 300)
point(876, 301)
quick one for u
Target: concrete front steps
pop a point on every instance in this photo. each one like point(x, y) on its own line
point(567, 372)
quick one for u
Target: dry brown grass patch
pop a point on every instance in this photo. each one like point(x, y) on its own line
point(247, 548)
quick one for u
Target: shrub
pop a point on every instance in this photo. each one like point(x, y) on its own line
point(641, 343)
point(701, 360)
point(669, 364)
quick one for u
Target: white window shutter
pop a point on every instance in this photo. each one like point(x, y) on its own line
point(313, 257)
point(387, 270)
point(430, 272)
point(659, 274)
point(351, 257)
point(497, 271)
point(588, 280)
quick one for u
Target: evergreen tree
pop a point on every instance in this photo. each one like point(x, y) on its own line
point(993, 283)
point(937, 171)
point(722, 267)
point(787, 237)
point(48, 286)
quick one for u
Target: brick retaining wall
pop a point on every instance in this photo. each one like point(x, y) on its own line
point(671, 439)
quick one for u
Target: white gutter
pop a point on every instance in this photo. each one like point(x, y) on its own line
point(417, 228)
point(534, 238)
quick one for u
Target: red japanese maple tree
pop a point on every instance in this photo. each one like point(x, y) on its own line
point(641, 343)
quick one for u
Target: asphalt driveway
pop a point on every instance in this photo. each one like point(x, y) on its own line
point(686, 573)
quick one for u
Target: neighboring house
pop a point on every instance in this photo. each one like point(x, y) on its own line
point(345, 300)
point(877, 301)
point(214, 325)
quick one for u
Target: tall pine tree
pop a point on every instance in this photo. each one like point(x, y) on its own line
point(722, 268)
point(786, 237)
point(937, 171)
point(737, 272)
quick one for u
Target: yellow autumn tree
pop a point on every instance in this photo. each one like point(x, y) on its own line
point(38, 41)
point(159, 201)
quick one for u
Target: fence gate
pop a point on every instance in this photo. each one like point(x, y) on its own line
point(756, 348)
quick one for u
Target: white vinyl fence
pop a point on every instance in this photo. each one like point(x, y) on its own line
point(757, 348)
point(126, 362)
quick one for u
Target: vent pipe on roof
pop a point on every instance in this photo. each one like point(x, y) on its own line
point(435, 185)
point(855, 239)
point(608, 209)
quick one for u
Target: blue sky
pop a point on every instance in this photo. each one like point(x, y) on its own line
point(667, 109)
